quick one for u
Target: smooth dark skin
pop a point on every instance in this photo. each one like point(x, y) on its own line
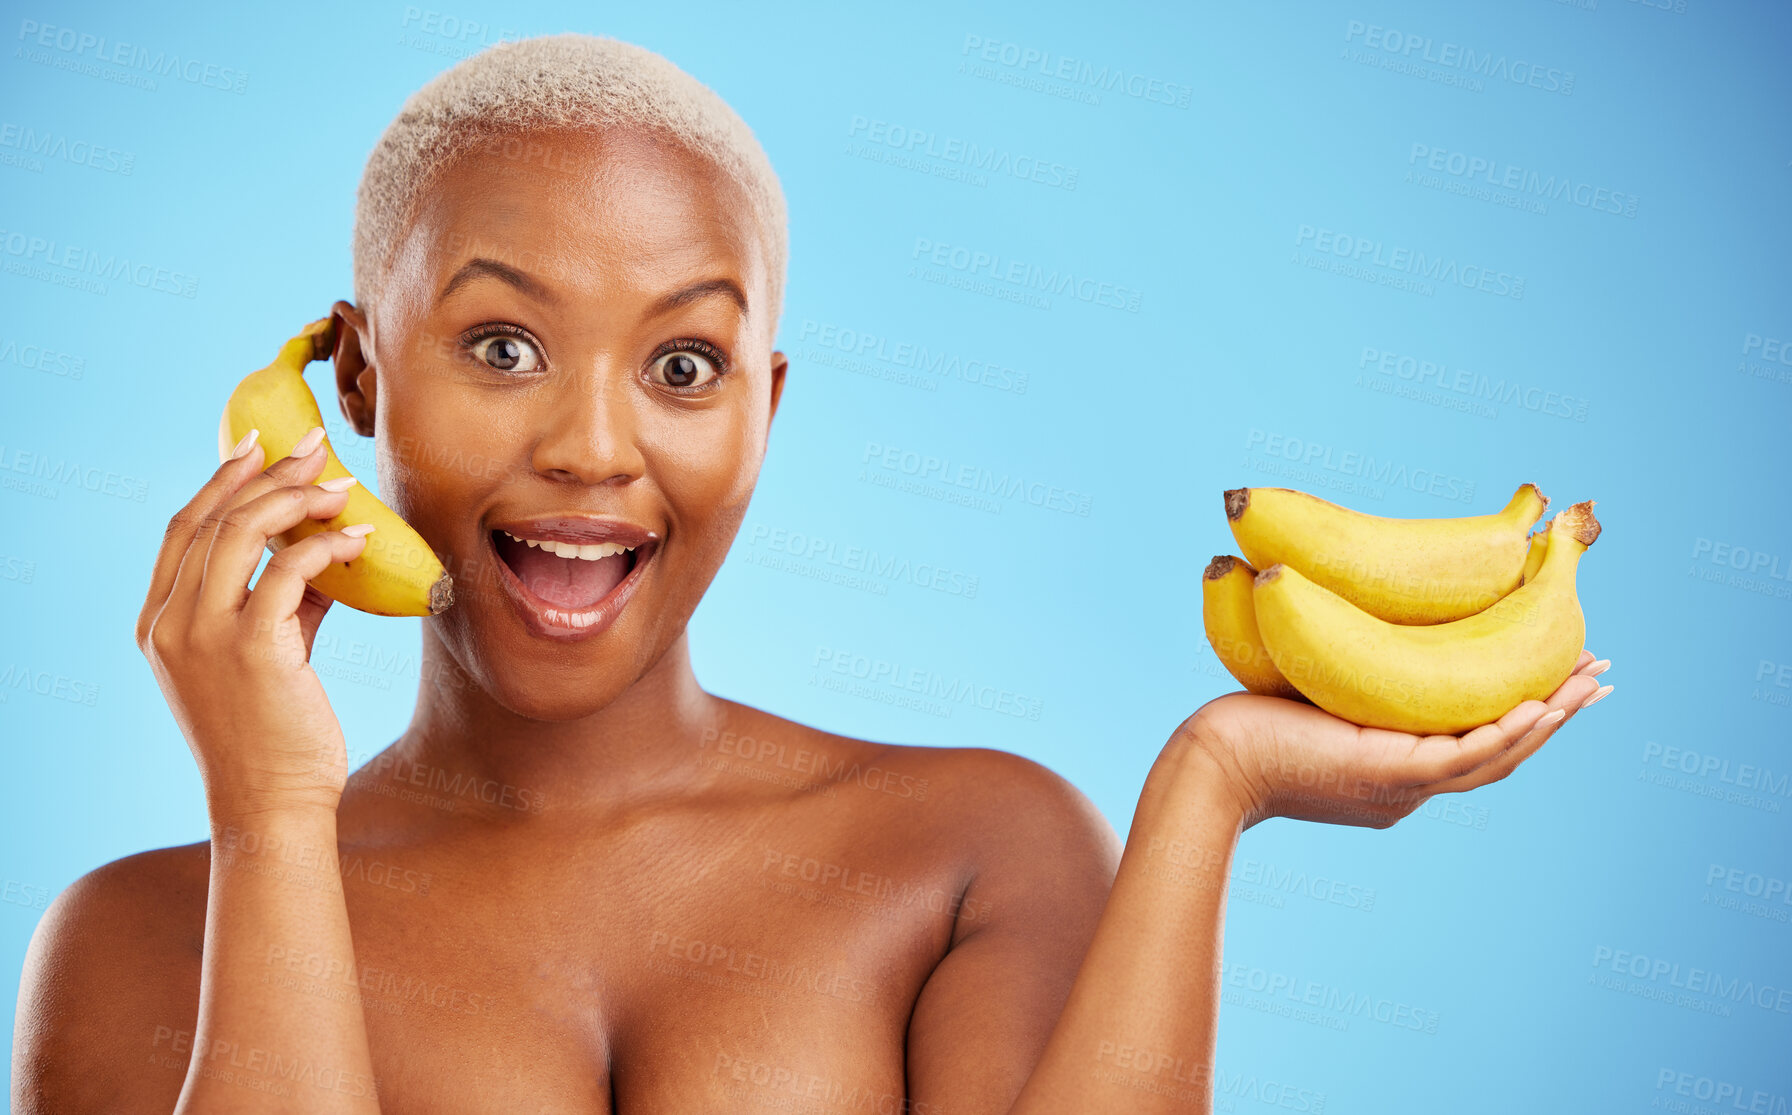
point(550, 938)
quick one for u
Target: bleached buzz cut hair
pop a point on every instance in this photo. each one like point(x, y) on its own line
point(552, 81)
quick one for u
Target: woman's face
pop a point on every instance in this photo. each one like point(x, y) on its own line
point(576, 326)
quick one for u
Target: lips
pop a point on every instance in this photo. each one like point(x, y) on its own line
point(569, 577)
point(578, 530)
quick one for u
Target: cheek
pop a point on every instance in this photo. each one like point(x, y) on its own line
point(706, 463)
point(437, 446)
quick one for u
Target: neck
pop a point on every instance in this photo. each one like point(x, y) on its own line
point(642, 744)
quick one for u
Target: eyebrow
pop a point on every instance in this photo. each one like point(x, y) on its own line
point(481, 266)
point(700, 290)
point(474, 268)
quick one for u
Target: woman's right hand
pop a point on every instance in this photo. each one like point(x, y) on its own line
point(234, 663)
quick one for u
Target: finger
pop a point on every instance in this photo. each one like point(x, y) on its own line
point(1507, 762)
point(282, 586)
point(1590, 666)
point(242, 534)
point(1562, 705)
point(1573, 693)
point(301, 468)
point(178, 538)
point(287, 470)
point(1437, 758)
point(311, 611)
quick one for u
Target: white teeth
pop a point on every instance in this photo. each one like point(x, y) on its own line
point(596, 551)
point(572, 619)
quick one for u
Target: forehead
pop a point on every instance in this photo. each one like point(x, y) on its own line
point(597, 213)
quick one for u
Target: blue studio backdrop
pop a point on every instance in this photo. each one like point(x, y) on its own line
point(1060, 275)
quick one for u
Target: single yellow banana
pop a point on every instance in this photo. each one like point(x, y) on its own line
point(1442, 678)
point(397, 573)
point(1400, 570)
point(1533, 558)
point(1231, 622)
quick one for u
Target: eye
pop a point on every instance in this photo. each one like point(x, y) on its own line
point(505, 351)
point(691, 368)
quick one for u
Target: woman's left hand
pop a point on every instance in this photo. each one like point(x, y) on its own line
point(1282, 758)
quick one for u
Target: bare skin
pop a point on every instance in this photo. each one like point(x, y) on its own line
point(578, 882)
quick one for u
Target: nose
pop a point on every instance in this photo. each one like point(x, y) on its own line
point(587, 424)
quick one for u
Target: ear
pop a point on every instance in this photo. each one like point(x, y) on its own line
point(357, 381)
point(780, 365)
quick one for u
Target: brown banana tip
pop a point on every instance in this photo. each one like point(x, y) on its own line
point(441, 595)
point(1579, 519)
point(1540, 496)
point(323, 338)
point(1220, 566)
point(1268, 575)
point(1237, 499)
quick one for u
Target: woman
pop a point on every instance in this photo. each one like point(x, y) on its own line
point(578, 882)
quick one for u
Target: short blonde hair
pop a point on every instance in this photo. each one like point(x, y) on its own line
point(566, 80)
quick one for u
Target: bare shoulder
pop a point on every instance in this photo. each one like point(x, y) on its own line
point(1003, 810)
point(1027, 822)
point(111, 979)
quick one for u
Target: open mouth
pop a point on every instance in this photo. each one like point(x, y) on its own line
point(571, 585)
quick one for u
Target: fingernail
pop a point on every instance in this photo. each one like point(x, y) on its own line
point(1599, 694)
point(340, 484)
point(313, 438)
point(1549, 718)
point(359, 530)
point(245, 445)
point(1598, 668)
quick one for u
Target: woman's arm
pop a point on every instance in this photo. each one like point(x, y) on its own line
point(280, 1026)
point(1137, 1031)
point(119, 1014)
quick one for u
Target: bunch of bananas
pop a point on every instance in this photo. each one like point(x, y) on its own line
point(397, 573)
point(1417, 625)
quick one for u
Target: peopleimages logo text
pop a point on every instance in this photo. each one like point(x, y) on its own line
point(1103, 78)
point(1029, 276)
point(1350, 462)
point(1505, 176)
point(960, 474)
point(1374, 253)
point(917, 356)
point(969, 153)
point(103, 265)
point(161, 63)
point(1455, 56)
point(50, 145)
point(1476, 385)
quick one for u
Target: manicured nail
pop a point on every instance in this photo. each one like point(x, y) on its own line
point(1549, 718)
point(1598, 668)
point(1599, 694)
point(340, 484)
point(245, 445)
point(359, 530)
point(313, 438)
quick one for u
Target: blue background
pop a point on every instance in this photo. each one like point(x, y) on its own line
point(1639, 352)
